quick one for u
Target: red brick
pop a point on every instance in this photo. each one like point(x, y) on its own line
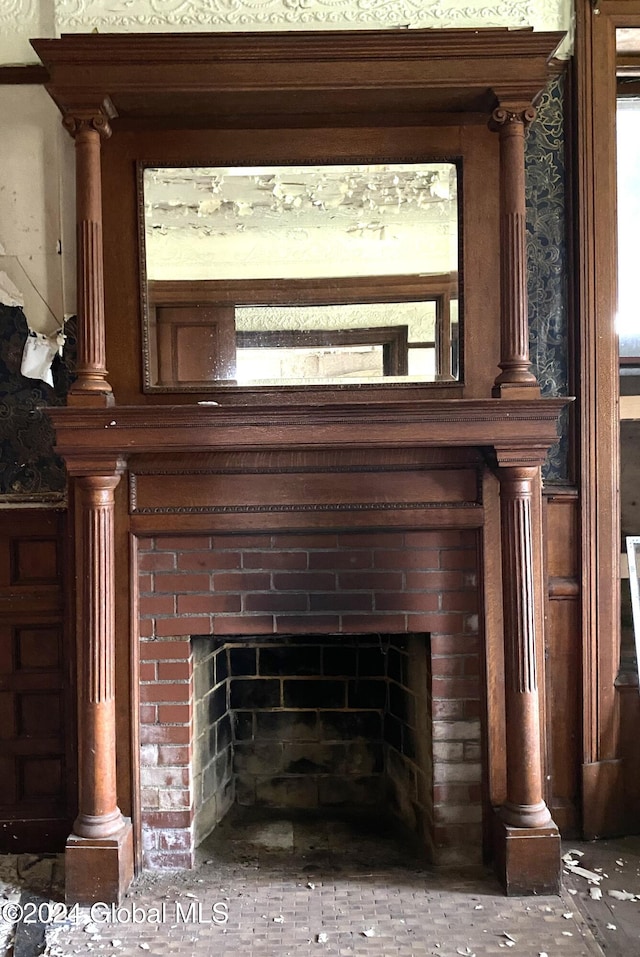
point(342, 601)
point(174, 670)
point(437, 623)
point(160, 860)
point(454, 665)
point(149, 797)
point(175, 713)
point(151, 605)
point(305, 540)
point(439, 538)
point(453, 793)
point(307, 624)
point(175, 757)
point(371, 540)
point(164, 650)
point(454, 687)
point(157, 562)
point(344, 559)
point(157, 819)
point(173, 798)
point(208, 604)
point(304, 581)
point(448, 710)
point(434, 580)
point(275, 602)
point(195, 561)
point(179, 584)
point(406, 601)
point(274, 559)
point(169, 691)
point(458, 558)
point(371, 581)
point(145, 543)
point(147, 671)
point(472, 708)
point(240, 542)
point(148, 714)
point(243, 625)
point(466, 601)
point(145, 628)
point(168, 627)
point(183, 543)
point(393, 624)
point(455, 645)
point(241, 581)
point(452, 835)
point(145, 584)
point(174, 840)
point(165, 734)
point(401, 559)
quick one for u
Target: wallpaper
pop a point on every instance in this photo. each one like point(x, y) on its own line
point(547, 260)
point(29, 469)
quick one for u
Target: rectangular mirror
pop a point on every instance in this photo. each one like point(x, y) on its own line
point(300, 275)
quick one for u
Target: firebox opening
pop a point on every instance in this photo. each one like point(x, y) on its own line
point(324, 724)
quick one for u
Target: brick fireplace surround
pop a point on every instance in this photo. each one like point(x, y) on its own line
point(326, 588)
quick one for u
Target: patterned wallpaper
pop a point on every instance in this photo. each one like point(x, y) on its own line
point(29, 469)
point(547, 260)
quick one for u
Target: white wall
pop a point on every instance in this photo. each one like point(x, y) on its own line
point(36, 157)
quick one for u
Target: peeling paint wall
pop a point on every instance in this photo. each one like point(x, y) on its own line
point(37, 167)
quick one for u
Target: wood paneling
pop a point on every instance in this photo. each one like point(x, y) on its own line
point(563, 664)
point(37, 769)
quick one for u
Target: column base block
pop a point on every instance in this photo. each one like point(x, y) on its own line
point(98, 869)
point(527, 859)
point(515, 390)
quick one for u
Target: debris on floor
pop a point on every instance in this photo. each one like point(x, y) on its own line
point(370, 896)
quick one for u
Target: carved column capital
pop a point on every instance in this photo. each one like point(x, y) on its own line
point(80, 121)
point(504, 117)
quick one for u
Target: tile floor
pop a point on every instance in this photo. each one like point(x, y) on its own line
point(277, 886)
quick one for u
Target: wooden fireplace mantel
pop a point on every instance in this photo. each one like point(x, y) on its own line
point(524, 428)
point(177, 98)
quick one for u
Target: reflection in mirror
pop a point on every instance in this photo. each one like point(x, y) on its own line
point(300, 275)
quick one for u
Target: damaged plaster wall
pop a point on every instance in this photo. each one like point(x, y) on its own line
point(36, 239)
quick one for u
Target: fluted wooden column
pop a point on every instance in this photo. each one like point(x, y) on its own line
point(88, 128)
point(99, 861)
point(516, 375)
point(99, 815)
point(524, 806)
point(528, 842)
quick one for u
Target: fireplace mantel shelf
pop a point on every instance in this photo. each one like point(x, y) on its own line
point(528, 425)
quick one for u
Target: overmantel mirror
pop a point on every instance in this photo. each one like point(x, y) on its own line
point(343, 273)
point(288, 211)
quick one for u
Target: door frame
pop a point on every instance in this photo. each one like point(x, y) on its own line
point(598, 391)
